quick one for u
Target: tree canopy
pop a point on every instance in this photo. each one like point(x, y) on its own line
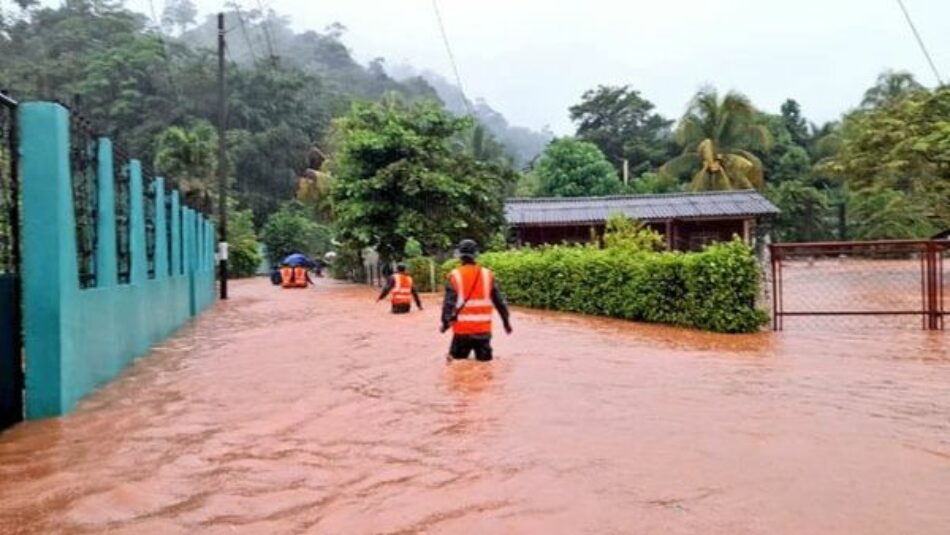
point(396, 177)
point(623, 126)
point(574, 168)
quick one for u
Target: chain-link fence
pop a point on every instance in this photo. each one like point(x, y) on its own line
point(883, 284)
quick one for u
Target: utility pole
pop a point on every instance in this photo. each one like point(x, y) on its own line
point(222, 166)
point(626, 171)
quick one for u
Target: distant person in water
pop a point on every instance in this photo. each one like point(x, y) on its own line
point(401, 291)
point(471, 294)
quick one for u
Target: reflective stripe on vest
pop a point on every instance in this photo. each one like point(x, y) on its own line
point(287, 277)
point(473, 285)
point(300, 277)
point(401, 293)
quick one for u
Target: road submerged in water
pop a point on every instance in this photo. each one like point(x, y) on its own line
point(318, 412)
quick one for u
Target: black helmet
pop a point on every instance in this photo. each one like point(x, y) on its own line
point(468, 249)
point(400, 267)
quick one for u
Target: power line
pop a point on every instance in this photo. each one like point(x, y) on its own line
point(448, 50)
point(920, 41)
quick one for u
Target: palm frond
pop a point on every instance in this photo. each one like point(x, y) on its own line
point(681, 164)
point(745, 170)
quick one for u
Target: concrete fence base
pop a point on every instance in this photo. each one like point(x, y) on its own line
point(77, 339)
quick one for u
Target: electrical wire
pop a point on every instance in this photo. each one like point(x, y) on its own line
point(920, 41)
point(448, 50)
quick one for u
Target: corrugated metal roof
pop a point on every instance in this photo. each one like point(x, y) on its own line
point(570, 210)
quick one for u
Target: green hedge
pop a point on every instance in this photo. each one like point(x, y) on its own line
point(713, 290)
point(419, 268)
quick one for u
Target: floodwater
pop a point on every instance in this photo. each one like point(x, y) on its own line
point(317, 412)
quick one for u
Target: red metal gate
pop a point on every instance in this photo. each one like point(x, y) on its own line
point(897, 279)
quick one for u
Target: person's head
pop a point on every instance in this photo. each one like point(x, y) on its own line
point(467, 251)
point(400, 268)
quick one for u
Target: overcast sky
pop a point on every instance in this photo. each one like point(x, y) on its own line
point(531, 59)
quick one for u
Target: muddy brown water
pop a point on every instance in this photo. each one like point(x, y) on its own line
point(317, 412)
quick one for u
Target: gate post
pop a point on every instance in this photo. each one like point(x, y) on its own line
point(50, 285)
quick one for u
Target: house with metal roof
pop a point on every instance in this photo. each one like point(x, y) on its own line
point(687, 220)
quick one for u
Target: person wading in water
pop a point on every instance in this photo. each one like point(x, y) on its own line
point(470, 295)
point(401, 290)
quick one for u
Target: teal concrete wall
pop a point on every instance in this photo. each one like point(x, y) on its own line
point(77, 339)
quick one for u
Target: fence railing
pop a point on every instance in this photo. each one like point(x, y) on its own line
point(84, 171)
point(123, 217)
point(84, 201)
point(11, 355)
point(150, 225)
point(880, 283)
point(9, 187)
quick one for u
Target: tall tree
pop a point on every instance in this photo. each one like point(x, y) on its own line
point(804, 212)
point(396, 177)
point(904, 145)
point(785, 159)
point(718, 136)
point(891, 86)
point(574, 168)
point(179, 14)
point(623, 126)
point(794, 122)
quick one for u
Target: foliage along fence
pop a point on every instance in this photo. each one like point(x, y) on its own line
point(715, 289)
point(426, 272)
point(112, 263)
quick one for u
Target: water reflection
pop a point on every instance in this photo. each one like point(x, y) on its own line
point(468, 377)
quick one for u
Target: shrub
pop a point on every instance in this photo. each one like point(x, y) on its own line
point(244, 254)
point(623, 232)
point(290, 230)
point(420, 269)
point(713, 290)
point(412, 248)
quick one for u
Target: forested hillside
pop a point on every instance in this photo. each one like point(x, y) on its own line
point(152, 86)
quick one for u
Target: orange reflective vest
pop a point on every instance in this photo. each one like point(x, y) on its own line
point(401, 293)
point(473, 285)
point(287, 277)
point(300, 277)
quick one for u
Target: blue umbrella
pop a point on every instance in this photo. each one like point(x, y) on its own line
point(298, 259)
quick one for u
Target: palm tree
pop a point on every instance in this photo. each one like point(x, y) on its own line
point(188, 157)
point(717, 136)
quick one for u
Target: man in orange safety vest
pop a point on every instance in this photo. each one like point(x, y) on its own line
point(401, 291)
point(471, 294)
